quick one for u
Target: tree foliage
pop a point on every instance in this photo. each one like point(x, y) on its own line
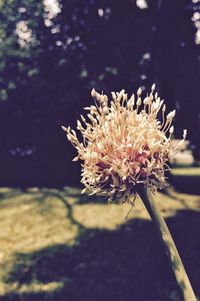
point(50, 58)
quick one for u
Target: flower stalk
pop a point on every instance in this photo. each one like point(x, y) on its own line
point(168, 244)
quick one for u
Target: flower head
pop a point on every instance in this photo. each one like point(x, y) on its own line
point(124, 144)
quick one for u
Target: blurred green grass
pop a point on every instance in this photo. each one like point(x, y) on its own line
point(61, 245)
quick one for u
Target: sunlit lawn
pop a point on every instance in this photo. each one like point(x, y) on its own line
point(60, 245)
point(187, 171)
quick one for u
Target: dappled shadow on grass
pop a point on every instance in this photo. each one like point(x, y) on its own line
point(81, 199)
point(67, 192)
point(121, 265)
point(172, 194)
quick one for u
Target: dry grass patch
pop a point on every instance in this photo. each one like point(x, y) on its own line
point(50, 219)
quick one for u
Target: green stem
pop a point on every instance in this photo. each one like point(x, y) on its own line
point(168, 244)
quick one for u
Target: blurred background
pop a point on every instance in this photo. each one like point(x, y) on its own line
point(55, 243)
point(52, 53)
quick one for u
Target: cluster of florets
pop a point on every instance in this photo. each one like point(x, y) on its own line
point(124, 144)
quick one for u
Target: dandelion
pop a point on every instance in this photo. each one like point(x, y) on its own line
point(124, 144)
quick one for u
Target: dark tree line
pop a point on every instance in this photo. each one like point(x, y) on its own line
point(50, 60)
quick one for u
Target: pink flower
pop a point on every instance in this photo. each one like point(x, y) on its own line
point(124, 144)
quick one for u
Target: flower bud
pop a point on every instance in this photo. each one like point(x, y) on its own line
point(120, 95)
point(139, 102)
point(153, 87)
point(155, 106)
point(105, 98)
point(184, 133)
point(113, 95)
point(164, 108)
point(64, 128)
point(139, 91)
point(75, 159)
point(171, 130)
point(146, 101)
point(93, 92)
point(171, 114)
point(79, 126)
point(132, 99)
